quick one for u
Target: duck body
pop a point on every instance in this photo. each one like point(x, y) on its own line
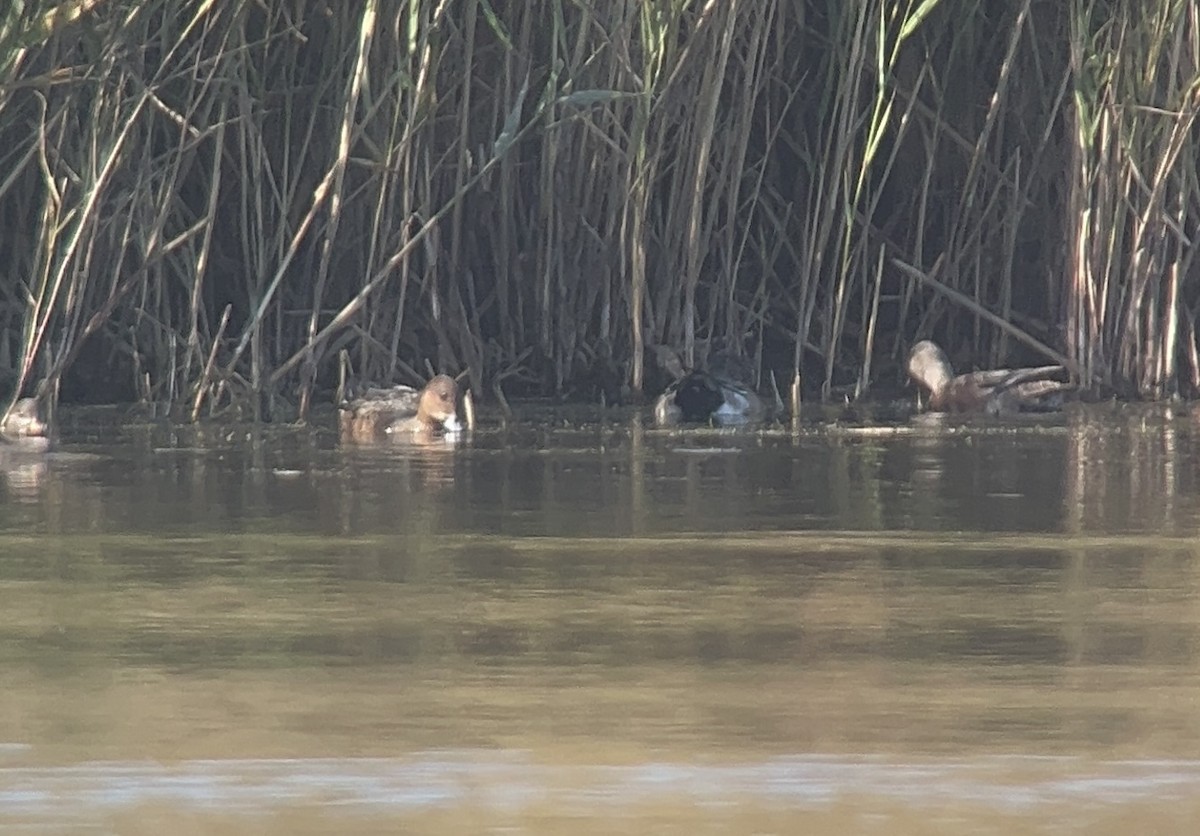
point(992, 392)
point(720, 395)
point(24, 425)
point(397, 412)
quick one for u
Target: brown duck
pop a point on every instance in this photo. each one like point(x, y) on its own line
point(401, 412)
point(994, 392)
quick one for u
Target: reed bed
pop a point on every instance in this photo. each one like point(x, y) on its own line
point(207, 204)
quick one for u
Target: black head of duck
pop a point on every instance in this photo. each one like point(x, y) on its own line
point(720, 394)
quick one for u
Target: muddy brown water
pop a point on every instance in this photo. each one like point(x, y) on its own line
point(577, 624)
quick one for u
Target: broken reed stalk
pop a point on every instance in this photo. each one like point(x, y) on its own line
point(343, 316)
point(978, 310)
point(210, 364)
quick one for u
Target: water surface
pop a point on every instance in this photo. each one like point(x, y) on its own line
point(580, 624)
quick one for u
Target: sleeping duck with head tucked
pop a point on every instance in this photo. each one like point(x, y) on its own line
point(992, 392)
point(400, 412)
point(720, 394)
point(23, 425)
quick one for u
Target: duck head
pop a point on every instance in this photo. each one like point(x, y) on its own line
point(438, 406)
point(929, 366)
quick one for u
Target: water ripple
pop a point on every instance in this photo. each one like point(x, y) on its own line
point(513, 780)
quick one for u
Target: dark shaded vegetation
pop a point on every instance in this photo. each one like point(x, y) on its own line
point(207, 205)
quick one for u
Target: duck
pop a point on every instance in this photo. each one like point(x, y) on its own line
point(379, 413)
point(721, 394)
point(992, 392)
point(23, 424)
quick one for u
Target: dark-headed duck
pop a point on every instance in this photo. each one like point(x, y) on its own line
point(399, 411)
point(722, 394)
point(994, 392)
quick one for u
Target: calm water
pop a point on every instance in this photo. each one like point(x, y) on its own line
point(588, 627)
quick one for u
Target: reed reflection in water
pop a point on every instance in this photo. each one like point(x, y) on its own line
point(940, 628)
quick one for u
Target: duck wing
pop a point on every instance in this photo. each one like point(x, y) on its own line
point(1029, 395)
point(740, 404)
point(1008, 377)
point(398, 400)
